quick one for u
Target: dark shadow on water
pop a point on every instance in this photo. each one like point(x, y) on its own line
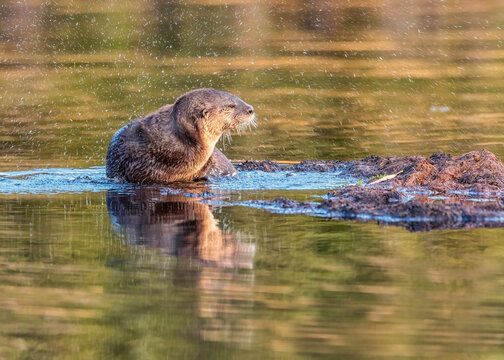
point(176, 225)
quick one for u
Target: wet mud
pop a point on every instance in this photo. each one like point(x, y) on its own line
point(476, 171)
point(418, 193)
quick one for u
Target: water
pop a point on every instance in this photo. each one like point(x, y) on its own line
point(90, 268)
point(61, 180)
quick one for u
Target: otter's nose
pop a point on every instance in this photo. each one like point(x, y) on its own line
point(250, 110)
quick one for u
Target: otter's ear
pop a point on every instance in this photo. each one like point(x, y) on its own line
point(205, 113)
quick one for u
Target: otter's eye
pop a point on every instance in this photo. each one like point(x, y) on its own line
point(231, 106)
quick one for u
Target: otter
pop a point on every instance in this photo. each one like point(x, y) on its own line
point(177, 142)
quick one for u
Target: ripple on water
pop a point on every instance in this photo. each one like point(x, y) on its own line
point(64, 180)
point(260, 180)
point(55, 181)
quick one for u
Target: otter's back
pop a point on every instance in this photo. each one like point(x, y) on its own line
point(113, 160)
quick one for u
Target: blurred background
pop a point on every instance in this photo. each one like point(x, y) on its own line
point(339, 79)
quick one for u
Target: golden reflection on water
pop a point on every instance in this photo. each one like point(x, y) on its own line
point(177, 225)
point(182, 226)
point(158, 274)
point(237, 280)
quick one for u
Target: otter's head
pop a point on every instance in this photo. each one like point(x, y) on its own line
point(212, 112)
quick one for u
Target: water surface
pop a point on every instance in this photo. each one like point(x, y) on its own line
point(92, 269)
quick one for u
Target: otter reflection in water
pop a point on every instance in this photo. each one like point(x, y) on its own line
point(176, 224)
point(183, 226)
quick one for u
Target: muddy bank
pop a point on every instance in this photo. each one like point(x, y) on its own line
point(438, 192)
point(415, 212)
point(389, 207)
point(476, 171)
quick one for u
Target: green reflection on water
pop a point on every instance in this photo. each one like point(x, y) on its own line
point(328, 80)
point(313, 288)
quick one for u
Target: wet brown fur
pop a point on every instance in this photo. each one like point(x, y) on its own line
point(177, 142)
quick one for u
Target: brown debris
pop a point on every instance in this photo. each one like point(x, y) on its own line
point(419, 212)
point(319, 166)
point(476, 171)
point(265, 165)
point(449, 182)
